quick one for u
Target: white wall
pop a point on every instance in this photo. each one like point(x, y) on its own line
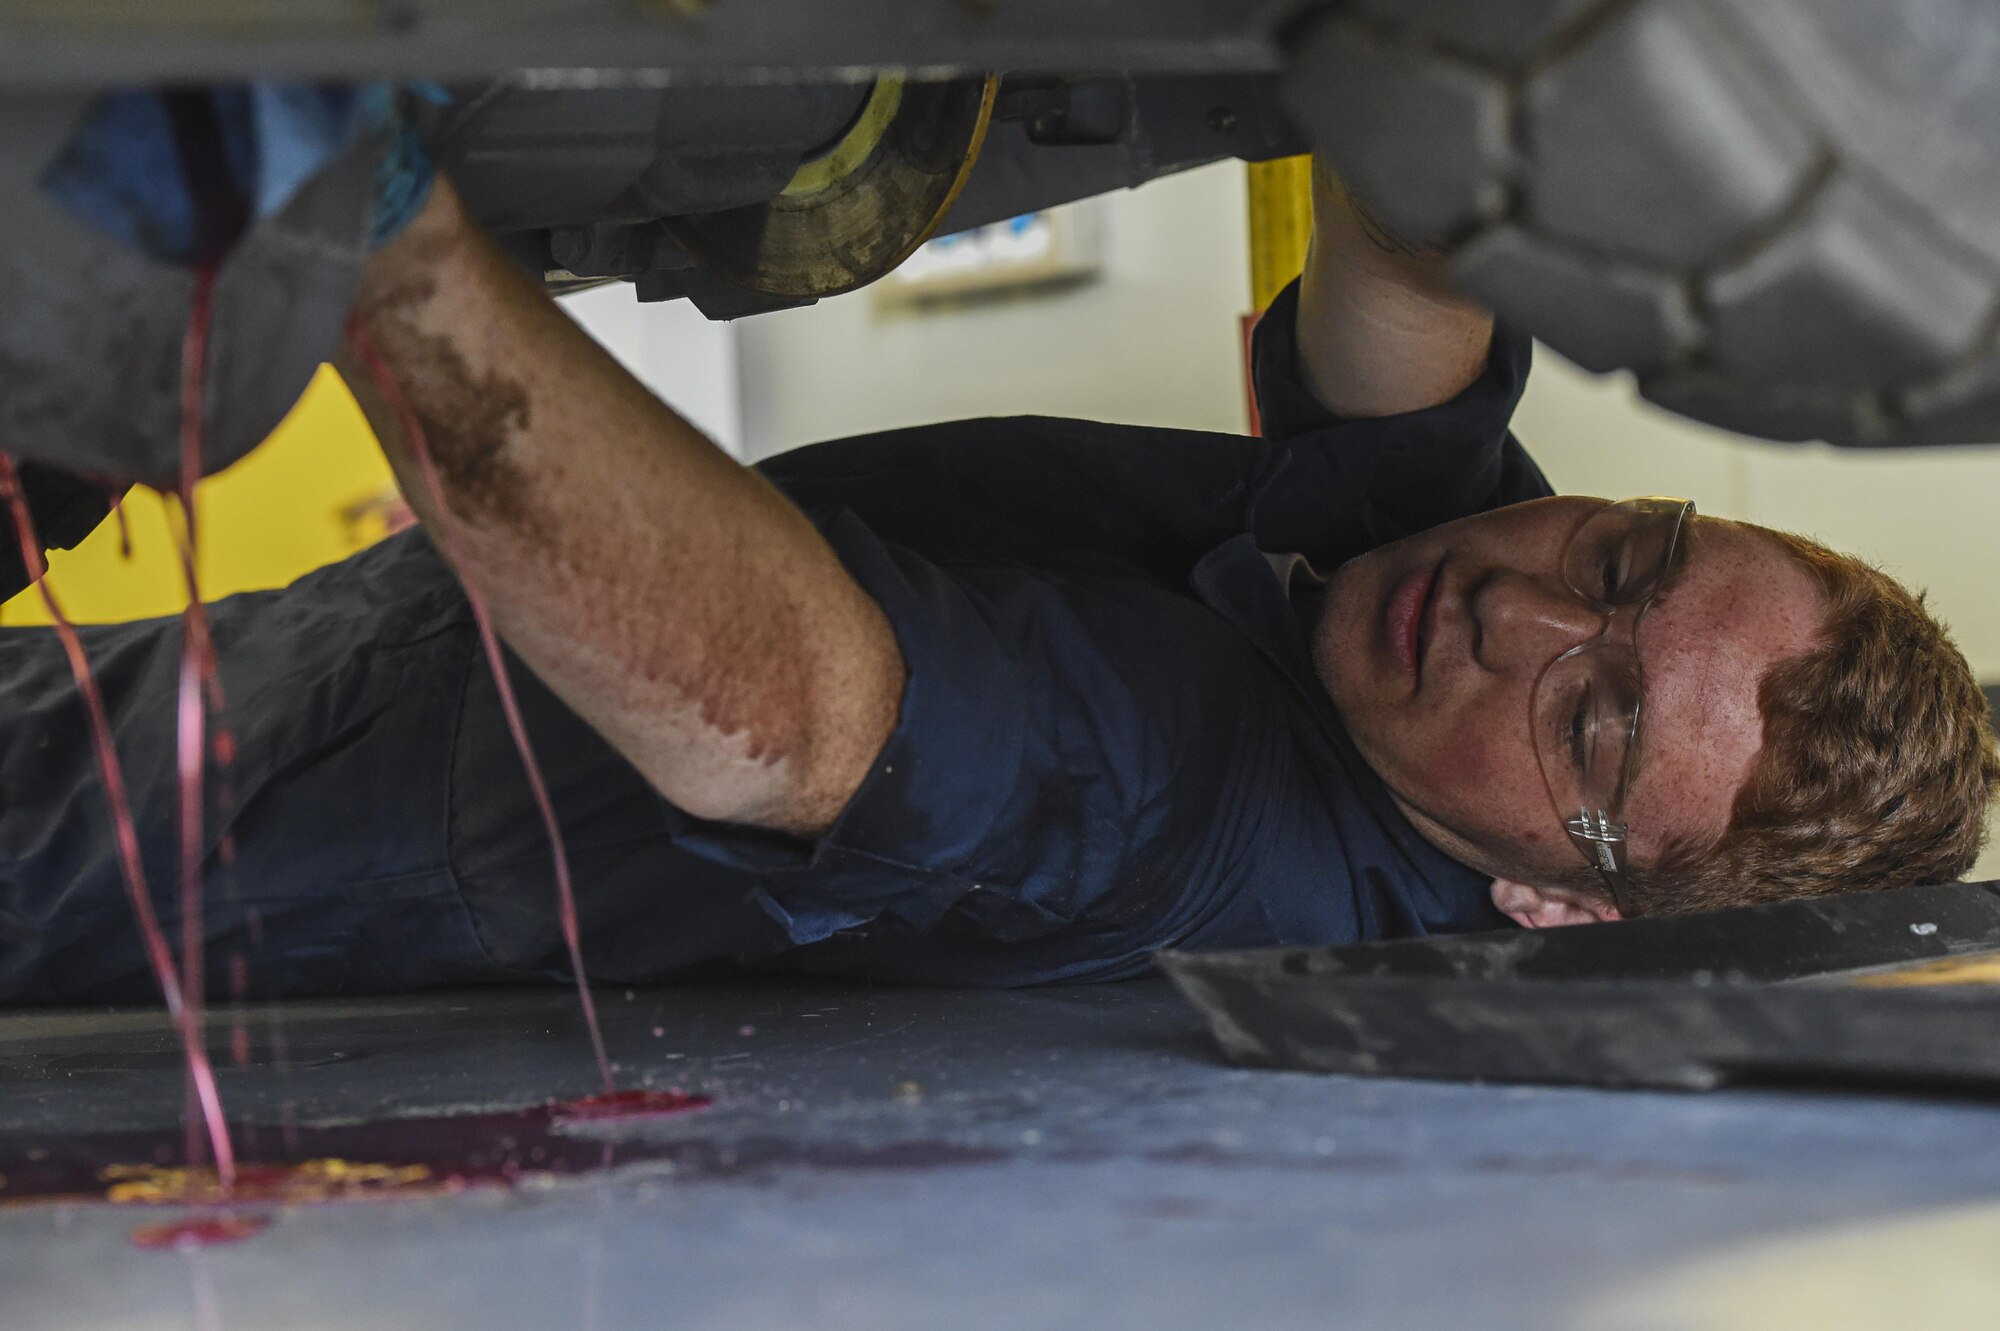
point(674, 351)
point(1153, 341)
point(1928, 517)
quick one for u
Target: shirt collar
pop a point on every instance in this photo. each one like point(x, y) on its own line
point(1418, 888)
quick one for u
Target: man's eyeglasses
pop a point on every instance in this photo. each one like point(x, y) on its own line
point(1586, 706)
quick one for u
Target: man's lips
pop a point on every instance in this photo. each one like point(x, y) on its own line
point(1407, 616)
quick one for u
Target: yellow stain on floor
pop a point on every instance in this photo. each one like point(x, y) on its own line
point(1928, 1271)
point(317, 491)
point(1977, 968)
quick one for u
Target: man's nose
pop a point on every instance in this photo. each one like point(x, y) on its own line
point(1526, 622)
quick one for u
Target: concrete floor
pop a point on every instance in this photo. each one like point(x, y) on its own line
point(890, 1158)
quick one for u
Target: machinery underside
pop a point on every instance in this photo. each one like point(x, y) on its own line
point(1782, 216)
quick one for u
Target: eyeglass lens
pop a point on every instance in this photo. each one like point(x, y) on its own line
point(1586, 706)
point(1623, 554)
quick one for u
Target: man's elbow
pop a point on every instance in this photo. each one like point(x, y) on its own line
point(797, 763)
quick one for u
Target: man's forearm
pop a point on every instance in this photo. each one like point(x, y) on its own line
point(1380, 331)
point(673, 598)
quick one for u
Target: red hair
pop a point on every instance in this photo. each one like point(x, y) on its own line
point(1877, 764)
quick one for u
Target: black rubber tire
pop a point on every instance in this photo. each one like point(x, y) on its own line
point(1782, 215)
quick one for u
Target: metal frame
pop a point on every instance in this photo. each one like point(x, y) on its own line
point(1757, 995)
point(46, 43)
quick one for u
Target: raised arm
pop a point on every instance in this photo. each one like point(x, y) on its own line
point(1379, 330)
point(673, 598)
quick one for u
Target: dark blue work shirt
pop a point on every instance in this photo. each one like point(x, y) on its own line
point(1112, 738)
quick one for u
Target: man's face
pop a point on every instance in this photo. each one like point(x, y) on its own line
point(1431, 648)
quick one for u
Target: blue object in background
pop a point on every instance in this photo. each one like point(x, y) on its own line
point(182, 174)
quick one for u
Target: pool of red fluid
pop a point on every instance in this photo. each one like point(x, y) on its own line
point(344, 1162)
point(616, 1105)
point(442, 531)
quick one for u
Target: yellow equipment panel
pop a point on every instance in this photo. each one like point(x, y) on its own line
point(1280, 196)
point(317, 491)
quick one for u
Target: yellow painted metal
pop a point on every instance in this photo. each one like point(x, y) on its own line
point(1280, 194)
point(1974, 968)
point(989, 95)
point(316, 492)
point(856, 146)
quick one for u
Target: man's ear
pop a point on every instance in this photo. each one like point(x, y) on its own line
point(1534, 907)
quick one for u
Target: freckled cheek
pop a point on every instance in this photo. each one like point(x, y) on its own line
point(1483, 772)
point(1460, 757)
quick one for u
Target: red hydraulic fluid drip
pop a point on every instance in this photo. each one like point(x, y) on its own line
point(406, 417)
point(159, 955)
point(200, 685)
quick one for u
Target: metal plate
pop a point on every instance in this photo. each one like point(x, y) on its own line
point(93, 43)
point(1765, 994)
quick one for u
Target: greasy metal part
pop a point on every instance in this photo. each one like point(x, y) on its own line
point(540, 159)
point(580, 180)
point(716, 297)
point(847, 154)
point(609, 250)
point(833, 230)
point(90, 351)
point(1177, 122)
point(597, 43)
point(1066, 112)
point(562, 283)
point(1763, 995)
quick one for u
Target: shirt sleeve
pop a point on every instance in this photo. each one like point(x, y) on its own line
point(1044, 808)
point(1409, 472)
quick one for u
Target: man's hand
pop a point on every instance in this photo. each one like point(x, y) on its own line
point(672, 597)
point(1380, 331)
